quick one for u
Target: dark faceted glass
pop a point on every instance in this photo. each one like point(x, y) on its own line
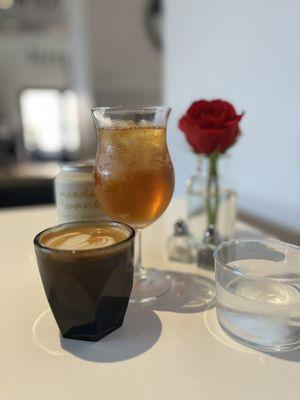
point(88, 290)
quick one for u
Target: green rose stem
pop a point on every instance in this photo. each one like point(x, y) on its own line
point(212, 189)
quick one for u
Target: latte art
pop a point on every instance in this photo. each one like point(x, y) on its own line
point(80, 241)
point(84, 238)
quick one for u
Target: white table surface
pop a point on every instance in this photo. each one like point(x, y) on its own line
point(173, 349)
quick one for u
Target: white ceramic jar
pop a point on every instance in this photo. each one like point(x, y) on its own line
point(74, 193)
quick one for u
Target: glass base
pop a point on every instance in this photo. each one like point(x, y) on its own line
point(149, 286)
point(257, 346)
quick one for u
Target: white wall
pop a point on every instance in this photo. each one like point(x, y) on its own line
point(125, 66)
point(247, 52)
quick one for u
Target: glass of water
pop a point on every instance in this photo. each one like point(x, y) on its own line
point(258, 293)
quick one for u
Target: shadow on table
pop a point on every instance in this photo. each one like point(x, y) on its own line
point(140, 331)
point(190, 293)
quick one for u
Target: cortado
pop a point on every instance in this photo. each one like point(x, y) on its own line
point(87, 273)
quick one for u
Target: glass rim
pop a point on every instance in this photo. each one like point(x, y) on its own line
point(231, 242)
point(37, 239)
point(129, 109)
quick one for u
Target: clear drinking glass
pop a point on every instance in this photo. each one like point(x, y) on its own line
point(258, 293)
point(134, 178)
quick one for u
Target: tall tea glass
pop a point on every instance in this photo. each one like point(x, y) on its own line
point(134, 178)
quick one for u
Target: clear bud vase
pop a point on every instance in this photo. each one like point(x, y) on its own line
point(205, 208)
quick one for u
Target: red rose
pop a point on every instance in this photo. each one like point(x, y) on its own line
point(210, 126)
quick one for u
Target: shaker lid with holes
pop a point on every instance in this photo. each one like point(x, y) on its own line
point(181, 228)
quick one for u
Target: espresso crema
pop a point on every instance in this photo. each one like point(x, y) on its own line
point(84, 237)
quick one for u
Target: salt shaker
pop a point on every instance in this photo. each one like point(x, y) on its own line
point(180, 244)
